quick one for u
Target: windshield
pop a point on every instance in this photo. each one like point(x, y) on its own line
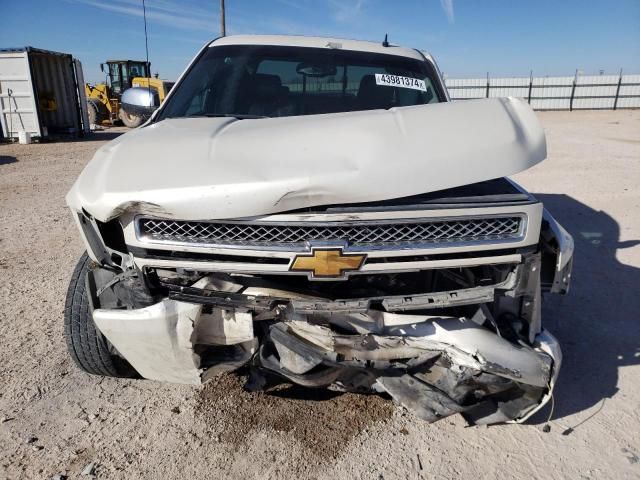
point(275, 81)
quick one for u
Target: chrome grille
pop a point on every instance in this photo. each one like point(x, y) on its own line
point(394, 234)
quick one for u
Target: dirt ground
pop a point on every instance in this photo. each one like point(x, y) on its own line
point(55, 419)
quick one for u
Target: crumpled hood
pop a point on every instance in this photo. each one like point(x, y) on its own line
point(217, 168)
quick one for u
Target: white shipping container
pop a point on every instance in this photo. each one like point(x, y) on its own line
point(41, 93)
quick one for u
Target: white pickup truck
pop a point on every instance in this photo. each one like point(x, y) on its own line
point(317, 211)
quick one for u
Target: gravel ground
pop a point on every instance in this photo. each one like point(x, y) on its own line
point(56, 420)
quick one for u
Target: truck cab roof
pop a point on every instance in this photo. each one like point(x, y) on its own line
point(322, 42)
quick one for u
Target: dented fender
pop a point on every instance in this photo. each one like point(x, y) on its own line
point(558, 248)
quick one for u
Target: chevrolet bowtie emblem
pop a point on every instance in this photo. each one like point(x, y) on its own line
point(327, 263)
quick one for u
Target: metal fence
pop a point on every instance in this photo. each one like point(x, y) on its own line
point(579, 92)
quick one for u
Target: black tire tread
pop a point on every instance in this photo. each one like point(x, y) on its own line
point(86, 345)
point(93, 113)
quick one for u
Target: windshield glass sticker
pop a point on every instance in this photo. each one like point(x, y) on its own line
point(402, 82)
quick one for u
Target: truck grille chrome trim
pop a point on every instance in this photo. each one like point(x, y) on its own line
point(410, 233)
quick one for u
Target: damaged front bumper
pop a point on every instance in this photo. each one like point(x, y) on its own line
point(444, 326)
point(434, 365)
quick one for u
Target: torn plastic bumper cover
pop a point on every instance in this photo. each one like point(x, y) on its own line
point(433, 365)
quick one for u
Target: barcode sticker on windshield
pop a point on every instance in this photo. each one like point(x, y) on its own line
point(398, 81)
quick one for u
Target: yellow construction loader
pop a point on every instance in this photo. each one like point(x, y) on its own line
point(103, 99)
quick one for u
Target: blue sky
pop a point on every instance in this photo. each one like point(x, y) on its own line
point(467, 37)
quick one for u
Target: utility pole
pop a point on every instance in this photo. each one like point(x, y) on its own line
point(146, 40)
point(223, 28)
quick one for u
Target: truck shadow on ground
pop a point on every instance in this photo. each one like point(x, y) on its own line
point(597, 324)
point(105, 135)
point(6, 159)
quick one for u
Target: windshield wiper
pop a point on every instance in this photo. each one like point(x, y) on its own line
point(239, 116)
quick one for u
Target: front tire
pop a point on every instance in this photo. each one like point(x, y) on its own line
point(88, 348)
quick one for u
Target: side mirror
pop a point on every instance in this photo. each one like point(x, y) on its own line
point(102, 67)
point(140, 101)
